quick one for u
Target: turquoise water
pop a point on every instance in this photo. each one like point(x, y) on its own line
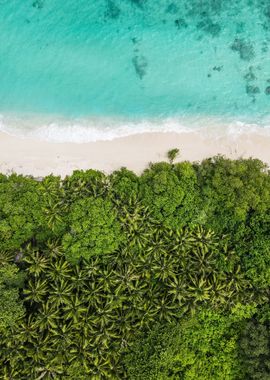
point(134, 60)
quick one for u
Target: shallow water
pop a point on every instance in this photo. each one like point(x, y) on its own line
point(134, 60)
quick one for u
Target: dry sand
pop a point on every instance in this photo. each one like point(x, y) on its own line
point(39, 158)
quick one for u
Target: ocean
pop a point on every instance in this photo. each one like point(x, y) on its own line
point(84, 70)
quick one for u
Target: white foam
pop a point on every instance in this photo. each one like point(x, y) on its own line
point(57, 129)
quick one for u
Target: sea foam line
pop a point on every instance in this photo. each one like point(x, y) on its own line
point(101, 129)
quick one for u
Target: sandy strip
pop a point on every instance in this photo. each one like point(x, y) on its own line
point(39, 158)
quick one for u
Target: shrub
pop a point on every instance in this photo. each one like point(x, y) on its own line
point(93, 229)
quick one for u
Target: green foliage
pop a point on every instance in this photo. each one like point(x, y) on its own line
point(169, 270)
point(54, 208)
point(171, 193)
point(172, 154)
point(143, 359)
point(124, 185)
point(234, 192)
point(11, 308)
point(20, 211)
point(93, 229)
point(199, 348)
point(254, 347)
point(236, 198)
point(82, 184)
point(257, 263)
point(89, 313)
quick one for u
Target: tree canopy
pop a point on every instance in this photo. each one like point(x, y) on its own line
point(163, 275)
point(93, 229)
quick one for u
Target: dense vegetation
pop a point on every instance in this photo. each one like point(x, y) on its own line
point(161, 276)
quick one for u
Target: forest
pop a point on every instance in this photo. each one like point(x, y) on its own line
point(157, 276)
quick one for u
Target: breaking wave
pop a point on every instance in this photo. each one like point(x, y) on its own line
point(99, 129)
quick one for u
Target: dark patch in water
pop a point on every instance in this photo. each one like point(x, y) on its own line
point(113, 11)
point(250, 76)
point(244, 48)
point(267, 90)
point(134, 40)
point(172, 9)
point(39, 4)
point(264, 47)
point(204, 8)
point(218, 68)
point(240, 26)
point(209, 75)
point(180, 23)
point(138, 3)
point(209, 27)
point(140, 64)
point(252, 90)
point(267, 12)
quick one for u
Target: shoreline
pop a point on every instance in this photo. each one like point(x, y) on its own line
point(38, 158)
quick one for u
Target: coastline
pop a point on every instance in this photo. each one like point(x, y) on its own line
point(38, 158)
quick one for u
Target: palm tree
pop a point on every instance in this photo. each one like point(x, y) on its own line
point(198, 289)
point(104, 336)
point(95, 294)
point(204, 238)
point(6, 258)
point(49, 370)
point(105, 279)
point(100, 368)
point(54, 249)
point(203, 261)
point(60, 292)
point(59, 269)
point(123, 324)
point(37, 353)
point(124, 279)
point(177, 289)
point(236, 279)
point(9, 373)
point(179, 240)
point(37, 262)
point(53, 213)
point(164, 268)
point(64, 333)
point(36, 290)
point(146, 314)
point(79, 278)
point(74, 309)
point(47, 317)
point(92, 267)
point(80, 350)
point(165, 310)
point(135, 218)
point(26, 330)
point(219, 292)
point(172, 154)
point(104, 315)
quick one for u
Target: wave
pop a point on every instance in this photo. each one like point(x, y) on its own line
point(58, 129)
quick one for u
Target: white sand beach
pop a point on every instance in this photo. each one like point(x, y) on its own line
point(39, 158)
